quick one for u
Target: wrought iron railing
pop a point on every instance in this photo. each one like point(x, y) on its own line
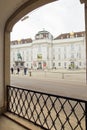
point(51, 112)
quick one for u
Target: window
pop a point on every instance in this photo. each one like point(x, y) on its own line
point(59, 64)
point(53, 64)
point(39, 48)
point(79, 47)
point(72, 55)
point(58, 49)
point(65, 64)
point(72, 47)
point(64, 49)
point(80, 63)
point(53, 57)
point(79, 55)
point(59, 57)
point(64, 56)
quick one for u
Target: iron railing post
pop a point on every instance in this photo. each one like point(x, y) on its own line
point(45, 110)
point(7, 98)
point(86, 115)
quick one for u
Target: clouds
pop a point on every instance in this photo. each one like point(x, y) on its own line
point(58, 17)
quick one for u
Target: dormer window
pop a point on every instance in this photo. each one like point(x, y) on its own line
point(67, 36)
point(82, 34)
point(76, 35)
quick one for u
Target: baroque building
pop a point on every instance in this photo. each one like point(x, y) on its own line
point(66, 51)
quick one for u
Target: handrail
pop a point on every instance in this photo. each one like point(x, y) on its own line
point(49, 111)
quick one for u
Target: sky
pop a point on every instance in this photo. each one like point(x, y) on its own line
point(62, 16)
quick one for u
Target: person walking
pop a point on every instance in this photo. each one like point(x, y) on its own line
point(25, 70)
point(12, 70)
point(18, 70)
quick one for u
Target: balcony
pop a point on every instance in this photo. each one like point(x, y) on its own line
point(37, 110)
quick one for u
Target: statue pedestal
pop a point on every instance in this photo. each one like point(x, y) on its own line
point(19, 64)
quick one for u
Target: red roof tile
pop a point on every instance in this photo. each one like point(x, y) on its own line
point(69, 35)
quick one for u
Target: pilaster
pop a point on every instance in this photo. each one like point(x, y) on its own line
point(85, 2)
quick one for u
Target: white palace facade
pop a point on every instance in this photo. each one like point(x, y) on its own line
point(67, 51)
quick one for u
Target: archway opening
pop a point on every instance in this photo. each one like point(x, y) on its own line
point(54, 43)
point(63, 26)
point(54, 50)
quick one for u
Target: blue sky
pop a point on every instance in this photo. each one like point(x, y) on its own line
point(62, 16)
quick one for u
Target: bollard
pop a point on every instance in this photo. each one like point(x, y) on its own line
point(62, 75)
point(30, 74)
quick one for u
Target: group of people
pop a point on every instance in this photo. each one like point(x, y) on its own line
point(18, 70)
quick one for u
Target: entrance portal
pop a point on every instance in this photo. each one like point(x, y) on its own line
point(39, 65)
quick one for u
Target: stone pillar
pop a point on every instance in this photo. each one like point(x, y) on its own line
point(1, 70)
point(86, 36)
point(6, 65)
point(85, 2)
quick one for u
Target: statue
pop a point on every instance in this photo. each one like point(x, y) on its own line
point(19, 56)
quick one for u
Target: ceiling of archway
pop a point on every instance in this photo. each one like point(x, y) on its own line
point(15, 10)
point(7, 7)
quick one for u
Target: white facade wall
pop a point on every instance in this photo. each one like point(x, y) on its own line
point(69, 50)
point(54, 53)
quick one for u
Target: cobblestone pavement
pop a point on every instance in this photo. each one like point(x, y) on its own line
point(63, 87)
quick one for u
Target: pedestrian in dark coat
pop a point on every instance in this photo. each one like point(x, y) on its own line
point(25, 71)
point(18, 70)
point(12, 70)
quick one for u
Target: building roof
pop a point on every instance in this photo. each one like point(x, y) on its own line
point(70, 35)
point(22, 41)
point(45, 34)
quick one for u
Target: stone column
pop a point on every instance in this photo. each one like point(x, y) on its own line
point(6, 65)
point(1, 69)
point(86, 36)
point(85, 2)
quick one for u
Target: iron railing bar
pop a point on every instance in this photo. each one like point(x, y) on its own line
point(30, 99)
point(49, 94)
point(86, 115)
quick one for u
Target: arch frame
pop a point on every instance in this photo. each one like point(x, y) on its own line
point(12, 20)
